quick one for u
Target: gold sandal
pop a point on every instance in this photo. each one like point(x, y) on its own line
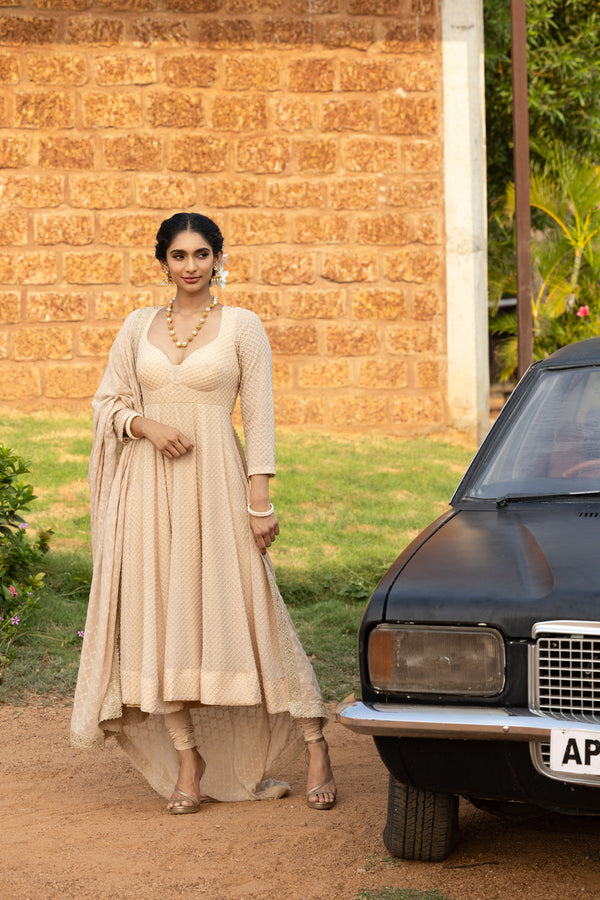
point(320, 804)
point(194, 805)
point(186, 810)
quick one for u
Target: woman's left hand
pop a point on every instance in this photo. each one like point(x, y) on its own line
point(265, 530)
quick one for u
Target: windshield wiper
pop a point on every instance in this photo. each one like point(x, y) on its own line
point(524, 498)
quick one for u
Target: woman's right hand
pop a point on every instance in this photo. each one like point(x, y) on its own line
point(167, 440)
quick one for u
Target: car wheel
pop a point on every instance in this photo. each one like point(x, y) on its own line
point(420, 824)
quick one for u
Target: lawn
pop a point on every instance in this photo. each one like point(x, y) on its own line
point(347, 506)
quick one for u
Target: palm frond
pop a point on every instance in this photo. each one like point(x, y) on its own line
point(558, 299)
point(503, 323)
point(507, 356)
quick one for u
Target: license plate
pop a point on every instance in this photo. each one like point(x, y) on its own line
point(575, 751)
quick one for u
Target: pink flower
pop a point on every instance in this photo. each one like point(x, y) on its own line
point(13, 590)
point(15, 620)
point(583, 311)
point(80, 634)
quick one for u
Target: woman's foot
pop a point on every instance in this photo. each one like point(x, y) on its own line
point(320, 786)
point(186, 796)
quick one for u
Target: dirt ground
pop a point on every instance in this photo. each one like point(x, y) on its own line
point(75, 824)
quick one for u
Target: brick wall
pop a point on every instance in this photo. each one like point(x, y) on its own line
point(310, 130)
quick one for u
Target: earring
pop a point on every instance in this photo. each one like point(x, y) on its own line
point(220, 273)
point(168, 279)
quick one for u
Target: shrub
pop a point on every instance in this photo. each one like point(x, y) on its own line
point(565, 251)
point(20, 556)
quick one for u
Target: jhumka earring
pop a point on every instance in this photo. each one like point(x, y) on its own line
point(168, 279)
point(220, 273)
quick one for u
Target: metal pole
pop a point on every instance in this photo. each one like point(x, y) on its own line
point(521, 173)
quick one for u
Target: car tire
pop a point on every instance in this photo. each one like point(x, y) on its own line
point(420, 824)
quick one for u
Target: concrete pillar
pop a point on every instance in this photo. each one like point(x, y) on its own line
point(465, 215)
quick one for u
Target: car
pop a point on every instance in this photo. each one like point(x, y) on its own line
point(479, 650)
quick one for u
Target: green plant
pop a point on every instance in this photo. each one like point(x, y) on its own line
point(20, 584)
point(563, 81)
point(565, 198)
point(563, 75)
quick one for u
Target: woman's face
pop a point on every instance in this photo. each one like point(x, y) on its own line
point(190, 260)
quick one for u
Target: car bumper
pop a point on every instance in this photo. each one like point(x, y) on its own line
point(457, 722)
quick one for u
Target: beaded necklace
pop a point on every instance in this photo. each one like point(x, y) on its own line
point(196, 330)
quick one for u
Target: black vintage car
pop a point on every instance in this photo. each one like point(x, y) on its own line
point(479, 650)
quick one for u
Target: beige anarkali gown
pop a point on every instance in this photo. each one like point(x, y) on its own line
point(183, 606)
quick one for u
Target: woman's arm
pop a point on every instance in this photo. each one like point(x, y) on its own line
point(256, 396)
point(264, 528)
point(256, 393)
point(167, 440)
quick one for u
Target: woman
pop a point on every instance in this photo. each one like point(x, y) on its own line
point(189, 655)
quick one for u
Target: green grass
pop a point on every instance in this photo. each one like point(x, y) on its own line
point(347, 506)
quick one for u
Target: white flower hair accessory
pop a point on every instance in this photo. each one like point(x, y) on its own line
point(220, 273)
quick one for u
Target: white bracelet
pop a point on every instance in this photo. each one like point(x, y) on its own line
point(268, 512)
point(127, 428)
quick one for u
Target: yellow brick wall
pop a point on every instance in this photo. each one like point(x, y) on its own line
point(310, 130)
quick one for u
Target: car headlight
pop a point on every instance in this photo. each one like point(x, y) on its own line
point(436, 660)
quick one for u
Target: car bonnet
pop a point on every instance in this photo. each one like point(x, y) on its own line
point(507, 567)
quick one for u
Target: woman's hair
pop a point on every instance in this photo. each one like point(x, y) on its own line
point(202, 225)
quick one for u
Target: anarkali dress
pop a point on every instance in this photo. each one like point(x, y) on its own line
point(184, 608)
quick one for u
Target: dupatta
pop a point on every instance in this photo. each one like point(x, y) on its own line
point(97, 705)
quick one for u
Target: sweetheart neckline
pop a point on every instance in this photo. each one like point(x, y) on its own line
point(195, 350)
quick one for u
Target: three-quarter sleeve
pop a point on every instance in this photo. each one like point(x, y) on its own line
point(256, 393)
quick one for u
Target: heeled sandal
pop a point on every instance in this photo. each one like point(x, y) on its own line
point(181, 810)
point(193, 805)
point(314, 792)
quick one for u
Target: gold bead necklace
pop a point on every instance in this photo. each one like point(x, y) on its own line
point(196, 329)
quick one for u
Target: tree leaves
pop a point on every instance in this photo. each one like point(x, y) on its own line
point(563, 80)
point(565, 251)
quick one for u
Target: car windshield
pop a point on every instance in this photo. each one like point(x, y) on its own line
point(552, 445)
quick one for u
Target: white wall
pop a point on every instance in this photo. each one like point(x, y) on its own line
point(466, 217)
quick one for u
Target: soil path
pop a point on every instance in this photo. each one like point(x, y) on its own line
point(85, 825)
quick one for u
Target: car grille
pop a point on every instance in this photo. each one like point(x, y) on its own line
point(568, 676)
point(565, 681)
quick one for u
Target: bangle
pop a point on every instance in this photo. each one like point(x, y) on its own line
point(267, 512)
point(127, 428)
